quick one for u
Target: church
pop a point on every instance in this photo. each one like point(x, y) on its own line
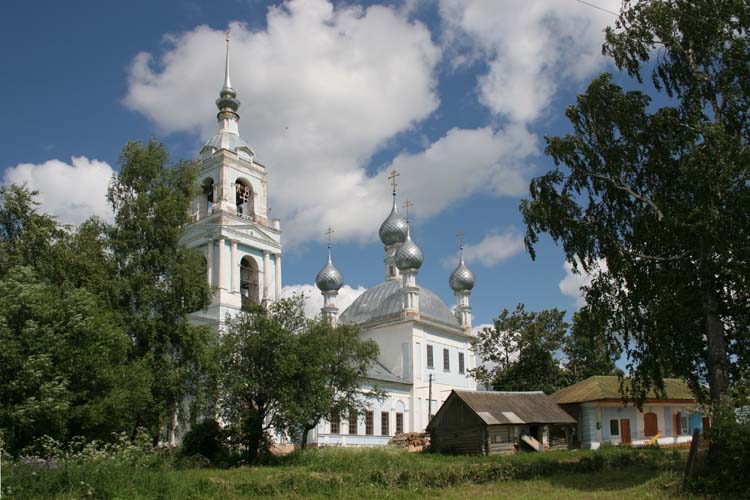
point(425, 348)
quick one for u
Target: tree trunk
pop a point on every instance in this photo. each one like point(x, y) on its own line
point(303, 442)
point(718, 361)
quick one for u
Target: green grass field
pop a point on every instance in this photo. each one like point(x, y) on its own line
point(368, 474)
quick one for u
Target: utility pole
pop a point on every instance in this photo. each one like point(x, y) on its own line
point(429, 401)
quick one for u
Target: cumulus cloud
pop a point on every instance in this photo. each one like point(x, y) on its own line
point(573, 282)
point(314, 299)
point(530, 46)
point(71, 191)
point(323, 88)
point(494, 248)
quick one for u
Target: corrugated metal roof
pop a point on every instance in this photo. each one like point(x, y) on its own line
point(384, 301)
point(515, 407)
point(603, 387)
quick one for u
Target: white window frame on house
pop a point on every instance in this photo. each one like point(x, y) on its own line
point(617, 422)
point(446, 360)
point(684, 424)
point(461, 363)
point(430, 357)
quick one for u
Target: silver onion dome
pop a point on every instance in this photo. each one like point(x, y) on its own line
point(462, 279)
point(408, 255)
point(394, 228)
point(329, 278)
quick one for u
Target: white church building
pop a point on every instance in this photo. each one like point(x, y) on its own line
point(425, 349)
point(424, 346)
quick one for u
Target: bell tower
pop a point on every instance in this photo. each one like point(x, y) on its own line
point(230, 223)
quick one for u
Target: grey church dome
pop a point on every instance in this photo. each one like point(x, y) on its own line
point(462, 279)
point(394, 228)
point(385, 301)
point(408, 255)
point(329, 278)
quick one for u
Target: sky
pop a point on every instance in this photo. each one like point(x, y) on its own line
point(456, 95)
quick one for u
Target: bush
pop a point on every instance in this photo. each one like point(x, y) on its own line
point(726, 467)
point(208, 440)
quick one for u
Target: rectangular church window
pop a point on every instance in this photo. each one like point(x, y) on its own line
point(369, 422)
point(461, 364)
point(335, 423)
point(399, 423)
point(385, 419)
point(429, 357)
point(352, 422)
point(446, 360)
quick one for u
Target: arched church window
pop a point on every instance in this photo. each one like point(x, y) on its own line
point(244, 198)
point(207, 189)
point(249, 281)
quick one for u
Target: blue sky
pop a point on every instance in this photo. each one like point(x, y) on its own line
point(455, 94)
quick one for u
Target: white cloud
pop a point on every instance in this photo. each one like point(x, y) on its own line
point(531, 47)
point(323, 89)
point(71, 191)
point(314, 299)
point(573, 281)
point(494, 248)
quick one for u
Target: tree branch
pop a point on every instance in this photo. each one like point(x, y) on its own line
point(624, 187)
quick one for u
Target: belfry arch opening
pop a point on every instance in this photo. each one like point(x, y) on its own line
point(243, 197)
point(249, 281)
point(207, 190)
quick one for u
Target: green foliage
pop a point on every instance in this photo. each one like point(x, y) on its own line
point(258, 360)
point(728, 458)
point(94, 336)
point(207, 439)
point(520, 347)
point(63, 360)
point(333, 360)
point(25, 234)
point(159, 280)
point(587, 349)
point(661, 195)
point(283, 371)
point(339, 473)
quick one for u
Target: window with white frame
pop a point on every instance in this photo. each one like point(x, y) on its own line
point(684, 424)
point(461, 363)
point(429, 357)
point(614, 427)
point(446, 360)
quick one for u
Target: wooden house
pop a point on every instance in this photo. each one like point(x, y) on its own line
point(492, 423)
point(666, 419)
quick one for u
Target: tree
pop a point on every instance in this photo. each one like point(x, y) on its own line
point(333, 362)
point(662, 195)
point(259, 367)
point(25, 234)
point(518, 351)
point(587, 349)
point(159, 281)
point(64, 367)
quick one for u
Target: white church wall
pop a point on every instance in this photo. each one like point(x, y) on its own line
point(391, 340)
point(396, 401)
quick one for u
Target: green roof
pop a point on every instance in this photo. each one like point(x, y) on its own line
point(607, 387)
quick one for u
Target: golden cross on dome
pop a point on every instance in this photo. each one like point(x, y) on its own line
point(460, 236)
point(328, 234)
point(392, 177)
point(407, 206)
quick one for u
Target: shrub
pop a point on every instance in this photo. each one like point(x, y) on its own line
point(726, 467)
point(207, 439)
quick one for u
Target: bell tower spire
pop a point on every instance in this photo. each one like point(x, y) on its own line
point(227, 102)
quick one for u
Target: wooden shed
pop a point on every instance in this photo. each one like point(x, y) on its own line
point(492, 423)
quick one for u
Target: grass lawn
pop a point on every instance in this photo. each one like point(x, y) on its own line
point(368, 474)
